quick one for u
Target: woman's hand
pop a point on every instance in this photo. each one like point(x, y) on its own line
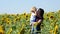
point(39, 21)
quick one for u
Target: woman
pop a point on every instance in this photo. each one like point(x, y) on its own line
point(39, 18)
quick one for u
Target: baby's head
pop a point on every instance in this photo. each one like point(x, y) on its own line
point(33, 9)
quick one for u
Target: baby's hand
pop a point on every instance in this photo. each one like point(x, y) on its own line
point(30, 24)
point(35, 23)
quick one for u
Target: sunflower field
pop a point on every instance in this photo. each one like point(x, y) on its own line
point(20, 23)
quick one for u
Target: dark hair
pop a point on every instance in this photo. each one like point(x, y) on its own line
point(39, 16)
point(40, 13)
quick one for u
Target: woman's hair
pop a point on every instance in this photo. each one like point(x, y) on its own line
point(40, 12)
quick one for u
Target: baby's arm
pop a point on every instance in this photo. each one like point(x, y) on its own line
point(35, 13)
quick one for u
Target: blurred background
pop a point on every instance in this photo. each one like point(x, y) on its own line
point(15, 16)
point(19, 6)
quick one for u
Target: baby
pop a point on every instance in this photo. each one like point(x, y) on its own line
point(33, 19)
point(33, 15)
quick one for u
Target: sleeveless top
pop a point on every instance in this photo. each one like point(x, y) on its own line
point(33, 17)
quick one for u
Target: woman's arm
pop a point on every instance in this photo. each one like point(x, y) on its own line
point(40, 20)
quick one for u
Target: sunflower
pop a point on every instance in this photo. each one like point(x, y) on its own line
point(56, 29)
point(24, 13)
point(10, 30)
point(8, 21)
point(52, 17)
point(22, 29)
point(26, 17)
point(3, 18)
point(18, 32)
point(51, 31)
point(14, 21)
point(1, 30)
point(50, 13)
point(46, 16)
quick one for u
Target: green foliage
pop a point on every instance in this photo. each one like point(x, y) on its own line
point(20, 23)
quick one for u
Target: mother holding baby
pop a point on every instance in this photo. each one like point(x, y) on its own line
point(36, 18)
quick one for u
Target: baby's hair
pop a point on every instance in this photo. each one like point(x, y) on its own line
point(33, 9)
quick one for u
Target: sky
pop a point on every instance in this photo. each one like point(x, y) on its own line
point(21, 6)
